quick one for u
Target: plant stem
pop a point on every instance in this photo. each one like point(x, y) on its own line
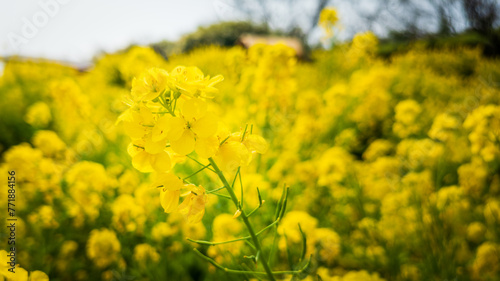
point(214, 263)
point(202, 242)
point(255, 240)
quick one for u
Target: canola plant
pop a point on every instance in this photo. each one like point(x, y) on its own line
point(233, 164)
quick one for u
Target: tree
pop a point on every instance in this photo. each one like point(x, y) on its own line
point(481, 14)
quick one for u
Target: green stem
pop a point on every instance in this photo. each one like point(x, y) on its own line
point(192, 158)
point(204, 167)
point(202, 242)
point(214, 263)
point(255, 240)
point(253, 211)
point(221, 195)
point(215, 190)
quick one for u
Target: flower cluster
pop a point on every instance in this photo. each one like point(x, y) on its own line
point(169, 117)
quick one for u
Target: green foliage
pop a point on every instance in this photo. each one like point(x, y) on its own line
point(221, 34)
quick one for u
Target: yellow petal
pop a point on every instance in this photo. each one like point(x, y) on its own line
point(168, 181)
point(135, 147)
point(194, 109)
point(216, 79)
point(161, 162)
point(161, 128)
point(178, 71)
point(125, 116)
point(207, 147)
point(154, 147)
point(233, 154)
point(169, 200)
point(139, 87)
point(176, 127)
point(38, 276)
point(193, 206)
point(141, 161)
point(256, 143)
point(146, 116)
point(185, 144)
point(150, 84)
point(134, 130)
point(193, 73)
point(206, 126)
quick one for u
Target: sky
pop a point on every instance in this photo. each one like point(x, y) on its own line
point(76, 30)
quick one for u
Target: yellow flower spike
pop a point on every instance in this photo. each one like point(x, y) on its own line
point(193, 206)
point(150, 84)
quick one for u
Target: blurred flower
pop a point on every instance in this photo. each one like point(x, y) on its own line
point(103, 248)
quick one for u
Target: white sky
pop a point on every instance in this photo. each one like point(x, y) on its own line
point(74, 31)
point(82, 28)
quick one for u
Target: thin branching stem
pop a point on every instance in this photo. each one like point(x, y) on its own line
point(202, 242)
point(255, 240)
point(217, 265)
point(204, 167)
point(192, 158)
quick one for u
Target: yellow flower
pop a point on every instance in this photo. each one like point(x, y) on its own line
point(235, 152)
point(48, 142)
point(144, 254)
point(103, 247)
point(476, 232)
point(137, 121)
point(327, 19)
point(195, 123)
point(487, 263)
point(38, 115)
point(193, 206)
point(407, 113)
point(161, 231)
point(170, 191)
point(38, 275)
point(191, 82)
point(147, 162)
point(327, 244)
point(150, 84)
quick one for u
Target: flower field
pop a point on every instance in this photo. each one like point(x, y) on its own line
point(345, 167)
